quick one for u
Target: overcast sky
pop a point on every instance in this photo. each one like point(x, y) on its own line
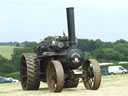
point(31, 20)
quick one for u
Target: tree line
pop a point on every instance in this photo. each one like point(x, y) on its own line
point(103, 51)
point(116, 51)
point(16, 43)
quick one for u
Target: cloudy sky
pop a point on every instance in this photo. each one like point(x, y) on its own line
point(31, 20)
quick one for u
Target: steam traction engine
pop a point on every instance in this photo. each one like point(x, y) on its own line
point(55, 65)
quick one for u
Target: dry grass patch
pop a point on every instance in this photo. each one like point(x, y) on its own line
point(112, 85)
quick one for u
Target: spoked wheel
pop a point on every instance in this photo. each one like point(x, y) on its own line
point(29, 72)
point(55, 76)
point(91, 74)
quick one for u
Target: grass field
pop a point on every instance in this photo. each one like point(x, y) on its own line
point(112, 85)
point(7, 50)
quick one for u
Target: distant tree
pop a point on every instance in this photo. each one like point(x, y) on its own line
point(18, 44)
point(107, 45)
point(122, 48)
point(89, 45)
point(5, 66)
point(121, 41)
point(87, 55)
point(107, 53)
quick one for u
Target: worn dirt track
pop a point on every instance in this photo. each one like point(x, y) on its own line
point(112, 85)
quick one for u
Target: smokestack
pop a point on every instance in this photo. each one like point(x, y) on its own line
point(71, 26)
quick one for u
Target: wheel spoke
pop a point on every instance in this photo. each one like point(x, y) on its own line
point(90, 83)
point(86, 80)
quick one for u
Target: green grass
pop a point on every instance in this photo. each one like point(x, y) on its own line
point(7, 50)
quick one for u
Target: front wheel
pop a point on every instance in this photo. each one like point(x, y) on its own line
point(91, 74)
point(55, 76)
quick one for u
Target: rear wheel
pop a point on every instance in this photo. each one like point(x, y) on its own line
point(55, 76)
point(91, 74)
point(29, 72)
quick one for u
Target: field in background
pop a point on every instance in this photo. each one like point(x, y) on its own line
point(7, 50)
point(112, 85)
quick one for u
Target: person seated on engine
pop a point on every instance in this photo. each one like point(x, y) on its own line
point(52, 43)
point(43, 47)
